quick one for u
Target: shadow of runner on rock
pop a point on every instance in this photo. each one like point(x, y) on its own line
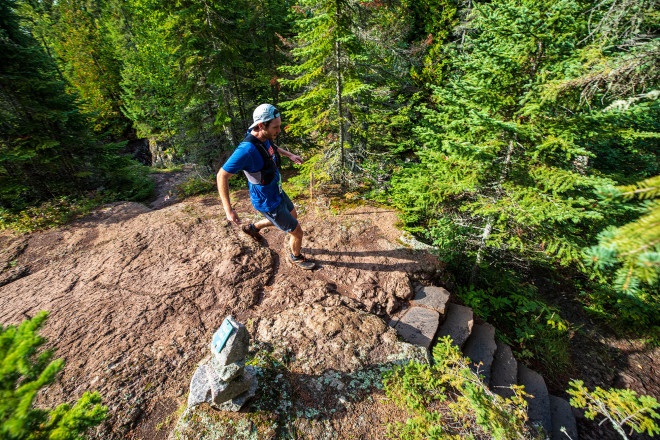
point(413, 256)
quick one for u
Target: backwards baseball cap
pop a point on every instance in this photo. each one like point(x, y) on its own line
point(263, 113)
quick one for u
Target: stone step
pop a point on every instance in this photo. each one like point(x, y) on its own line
point(458, 324)
point(432, 297)
point(504, 371)
point(480, 348)
point(562, 416)
point(539, 405)
point(418, 326)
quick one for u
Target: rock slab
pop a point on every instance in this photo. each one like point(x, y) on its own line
point(480, 348)
point(539, 404)
point(227, 372)
point(418, 326)
point(562, 416)
point(236, 403)
point(432, 297)
point(222, 391)
point(504, 371)
point(458, 324)
point(200, 390)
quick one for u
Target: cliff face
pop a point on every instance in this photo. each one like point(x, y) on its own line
point(135, 294)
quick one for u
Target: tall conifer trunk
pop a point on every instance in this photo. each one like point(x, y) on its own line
point(340, 110)
point(488, 229)
point(228, 128)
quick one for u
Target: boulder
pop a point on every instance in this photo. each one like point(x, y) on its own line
point(539, 404)
point(227, 372)
point(222, 391)
point(432, 297)
point(236, 403)
point(504, 371)
point(458, 324)
point(418, 326)
point(480, 348)
point(200, 390)
point(562, 417)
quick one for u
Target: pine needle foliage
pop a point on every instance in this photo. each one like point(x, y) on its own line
point(324, 76)
point(631, 251)
point(47, 148)
point(24, 371)
point(350, 84)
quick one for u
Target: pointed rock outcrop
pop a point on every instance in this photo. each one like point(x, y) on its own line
point(432, 297)
point(458, 324)
point(418, 326)
point(539, 404)
point(562, 417)
point(480, 348)
point(504, 371)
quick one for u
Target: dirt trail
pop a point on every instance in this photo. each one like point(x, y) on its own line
point(135, 294)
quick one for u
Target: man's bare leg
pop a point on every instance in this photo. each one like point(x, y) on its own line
point(267, 223)
point(263, 224)
point(296, 240)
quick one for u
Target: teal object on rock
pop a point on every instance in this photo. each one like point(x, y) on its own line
point(222, 334)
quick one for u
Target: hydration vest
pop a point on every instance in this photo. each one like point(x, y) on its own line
point(270, 166)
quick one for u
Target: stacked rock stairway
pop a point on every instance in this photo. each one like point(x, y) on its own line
point(431, 316)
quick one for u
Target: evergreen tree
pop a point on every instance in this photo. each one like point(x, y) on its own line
point(24, 371)
point(194, 71)
point(148, 77)
point(433, 22)
point(75, 35)
point(326, 52)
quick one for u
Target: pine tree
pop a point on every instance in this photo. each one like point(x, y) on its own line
point(616, 74)
point(24, 371)
point(75, 36)
point(148, 77)
point(325, 75)
point(433, 23)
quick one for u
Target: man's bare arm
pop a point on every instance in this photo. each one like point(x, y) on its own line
point(296, 159)
point(223, 190)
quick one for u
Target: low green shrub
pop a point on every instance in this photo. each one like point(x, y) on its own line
point(24, 371)
point(449, 401)
point(196, 185)
point(620, 407)
point(300, 183)
point(49, 214)
point(627, 314)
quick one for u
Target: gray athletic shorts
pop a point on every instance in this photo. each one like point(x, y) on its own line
point(281, 217)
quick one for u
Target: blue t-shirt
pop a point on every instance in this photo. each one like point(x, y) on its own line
point(246, 158)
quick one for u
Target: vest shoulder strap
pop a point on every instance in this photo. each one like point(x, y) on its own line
point(270, 166)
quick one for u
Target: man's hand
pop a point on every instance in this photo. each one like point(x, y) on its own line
point(294, 158)
point(233, 217)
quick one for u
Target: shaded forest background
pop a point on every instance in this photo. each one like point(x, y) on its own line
point(519, 137)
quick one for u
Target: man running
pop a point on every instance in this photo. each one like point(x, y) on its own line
point(258, 157)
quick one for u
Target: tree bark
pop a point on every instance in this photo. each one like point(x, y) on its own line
point(340, 110)
point(488, 229)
